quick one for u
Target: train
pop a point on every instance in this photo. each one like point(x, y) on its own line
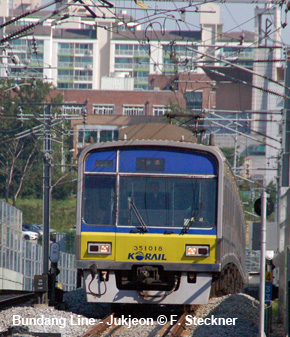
point(159, 219)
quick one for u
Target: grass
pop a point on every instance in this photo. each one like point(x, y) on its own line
point(62, 213)
point(275, 307)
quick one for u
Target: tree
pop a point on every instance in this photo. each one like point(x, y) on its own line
point(20, 150)
point(229, 153)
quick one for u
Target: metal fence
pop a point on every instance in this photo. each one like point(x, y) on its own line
point(25, 257)
point(31, 263)
point(10, 237)
point(67, 277)
point(252, 260)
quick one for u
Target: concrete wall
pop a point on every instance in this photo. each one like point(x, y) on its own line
point(10, 279)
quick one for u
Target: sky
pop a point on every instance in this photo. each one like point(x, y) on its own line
point(241, 16)
point(235, 17)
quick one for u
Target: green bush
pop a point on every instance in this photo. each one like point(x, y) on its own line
point(62, 212)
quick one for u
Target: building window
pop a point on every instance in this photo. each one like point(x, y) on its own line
point(96, 134)
point(65, 61)
point(65, 85)
point(141, 77)
point(65, 48)
point(141, 86)
point(90, 137)
point(234, 52)
point(124, 49)
point(123, 63)
point(73, 109)
point(141, 63)
point(83, 86)
point(133, 110)
point(75, 48)
point(103, 109)
point(159, 110)
point(193, 100)
point(169, 66)
point(83, 62)
point(108, 135)
point(83, 48)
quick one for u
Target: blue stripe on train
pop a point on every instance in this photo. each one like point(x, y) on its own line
point(112, 229)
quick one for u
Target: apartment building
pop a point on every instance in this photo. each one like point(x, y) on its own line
point(115, 58)
point(86, 52)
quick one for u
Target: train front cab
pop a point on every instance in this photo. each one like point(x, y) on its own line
point(132, 251)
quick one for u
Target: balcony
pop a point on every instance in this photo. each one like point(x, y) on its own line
point(141, 53)
point(141, 80)
point(124, 66)
point(70, 78)
point(124, 52)
point(83, 65)
point(141, 66)
point(83, 78)
point(65, 65)
point(66, 51)
point(169, 67)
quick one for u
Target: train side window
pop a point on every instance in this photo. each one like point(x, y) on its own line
point(99, 200)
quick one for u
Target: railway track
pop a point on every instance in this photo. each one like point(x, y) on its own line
point(174, 330)
point(13, 297)
point(107, 329)
point(100, 327)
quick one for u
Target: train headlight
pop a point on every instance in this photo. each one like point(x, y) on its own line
point(193, 250)
point(104, 248)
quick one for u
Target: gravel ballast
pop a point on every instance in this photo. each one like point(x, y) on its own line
point(72, 321)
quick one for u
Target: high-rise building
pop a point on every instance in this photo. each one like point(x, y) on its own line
point(26, 4)
point(99, 49)
point(78, 52)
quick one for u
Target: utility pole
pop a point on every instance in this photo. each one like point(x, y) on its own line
point(47, 156)
point(286, 136)
point(263, 263)
point(4, 8)
point(285, 183)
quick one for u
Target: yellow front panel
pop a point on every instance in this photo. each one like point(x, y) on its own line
point(149, 247)
point(162, 248)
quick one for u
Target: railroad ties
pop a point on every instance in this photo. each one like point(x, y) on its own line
point(174, 330)
point(105, 327)
point(100, 327)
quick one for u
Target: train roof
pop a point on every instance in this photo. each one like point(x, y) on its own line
point(160, 132)
point(157, 134)
point(156, 131)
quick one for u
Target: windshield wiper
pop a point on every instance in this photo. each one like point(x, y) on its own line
point(199, 208)
point(133, 207)
point(187, 224)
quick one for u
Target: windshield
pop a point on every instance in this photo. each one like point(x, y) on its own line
point(99, 200)
point(162, 202)
point(174, 202)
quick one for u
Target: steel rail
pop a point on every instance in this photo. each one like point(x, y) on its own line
point(100, 328)
point(178, 328)
point(14, 297)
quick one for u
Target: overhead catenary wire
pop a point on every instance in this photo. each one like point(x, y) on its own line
point(146, 16)
point(241, 68)
point(238, 124)
point(243, 134)
point(19, 33)
point(175, 19)
point(247, 83)
point(269, 79)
